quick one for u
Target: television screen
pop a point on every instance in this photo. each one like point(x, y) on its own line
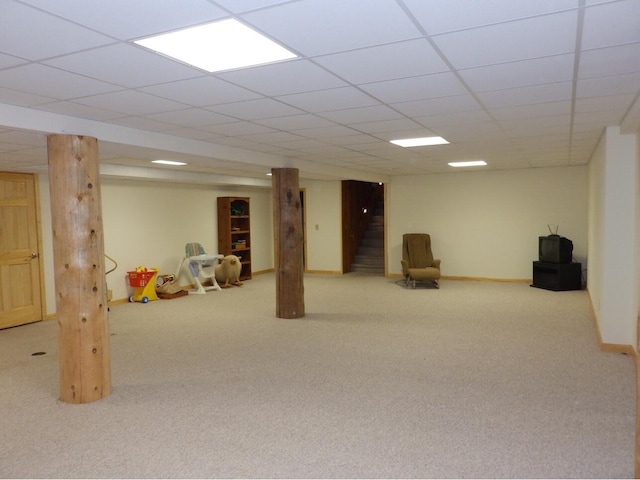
point(555, 249)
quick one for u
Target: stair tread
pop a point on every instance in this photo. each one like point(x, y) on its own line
point(369, 256)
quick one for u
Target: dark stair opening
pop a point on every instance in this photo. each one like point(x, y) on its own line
point(370, 254)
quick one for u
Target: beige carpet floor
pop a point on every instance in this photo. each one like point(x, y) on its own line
point(474, 380)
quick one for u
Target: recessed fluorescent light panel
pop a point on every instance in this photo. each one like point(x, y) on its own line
point(168, 162)
point(420, 142)
point(471, 163)
point(217, 46)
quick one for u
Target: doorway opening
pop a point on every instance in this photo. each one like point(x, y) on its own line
point(363, 246)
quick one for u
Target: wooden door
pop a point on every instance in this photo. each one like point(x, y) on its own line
point(20, 288)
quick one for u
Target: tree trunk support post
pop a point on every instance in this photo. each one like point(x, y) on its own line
point(79, 271)
point(287, 227)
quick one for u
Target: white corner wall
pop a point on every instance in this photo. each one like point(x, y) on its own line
point(486, 224)
point(149, 223)
point(614, 209)
point(323, 218)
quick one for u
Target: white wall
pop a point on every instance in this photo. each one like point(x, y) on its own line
point(484, 224)
point(613, 236)
point(596, 230)
point(323, 211)
point(149, 223)
point(487, 223)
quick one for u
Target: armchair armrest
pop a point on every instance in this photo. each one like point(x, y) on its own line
point(436, 263)
point(405, 267)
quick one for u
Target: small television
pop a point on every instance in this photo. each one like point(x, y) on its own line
point(555, 249)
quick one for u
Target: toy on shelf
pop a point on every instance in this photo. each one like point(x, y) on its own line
point(144, 282)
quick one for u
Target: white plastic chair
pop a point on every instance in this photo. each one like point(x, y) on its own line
point(201, 267)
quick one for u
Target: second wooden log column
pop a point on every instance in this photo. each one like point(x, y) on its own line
point(288, 239)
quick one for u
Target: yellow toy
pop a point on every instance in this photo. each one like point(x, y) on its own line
point(144, 282)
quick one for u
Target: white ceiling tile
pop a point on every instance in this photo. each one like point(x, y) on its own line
point(604, 103)
point(193, 133)
point(457, 119)
point(295, 122)
point(201, 91)
point(562, 121)
point(611, 24)
point(352, 140)
point(274, 138)
point(550, 92)
point(239, 143)
point(327, 26)
point(553, 69)
point(486, 131)
point(586, 132)
point(601, 117)
point(414, 132)
point(438, 16)
point(310, 145)
point(327, 100)
point(437, 106)
point(36, 35)
point(255, 109)
point(57, 84)
point(533, 129)
point(238, 128)
point(398, 125)
point(7, 61)
point(15, 97)
point(248, 5)
point(385, 62)
point(143, 67)
point(516, 113)
point(415, 88)
point(596, 2)
point(325, 133)
point(610, 85)
point(533, 110)
point(126, 19)
point(362, 114)
point(190, 117)
point(284, 78)
point(610, 61)
point(487, 45)
point(131, 102)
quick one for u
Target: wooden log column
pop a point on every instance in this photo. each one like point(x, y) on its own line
point(288, 239)
point(78, 253)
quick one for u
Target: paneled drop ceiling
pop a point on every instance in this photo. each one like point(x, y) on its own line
point(518, 83)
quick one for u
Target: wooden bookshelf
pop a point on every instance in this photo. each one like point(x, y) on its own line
point(234, 231)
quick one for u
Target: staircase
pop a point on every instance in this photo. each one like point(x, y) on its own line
point(370, 255)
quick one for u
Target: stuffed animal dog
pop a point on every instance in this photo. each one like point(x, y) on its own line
point(227, 272)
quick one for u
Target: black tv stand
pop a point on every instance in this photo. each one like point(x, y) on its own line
point(557, 276)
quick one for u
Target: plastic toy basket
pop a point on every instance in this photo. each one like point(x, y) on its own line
point(140, 279)
point(144, 284)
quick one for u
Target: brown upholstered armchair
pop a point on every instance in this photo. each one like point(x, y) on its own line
point(417, 261)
